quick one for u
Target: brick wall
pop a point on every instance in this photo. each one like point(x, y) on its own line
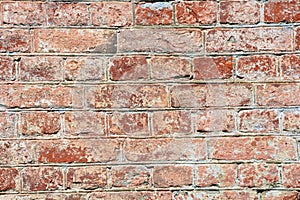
point(127, 100)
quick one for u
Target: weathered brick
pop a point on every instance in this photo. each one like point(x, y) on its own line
point(41, 69)
point(239, 12)
point(170, 68)
point(291, 119)
point(258, 121)
point(9, 179)
point(85, 123)
point(249, 40)
point(267, 148)
point(127, 96)
point(7, 125)
point(158, 13)
point(297, 38)
point(85, 69)
point(111, 13)
point(16, 152)
point(280, 195)
point(91, 177)
point(291, 176)
point(213, 67)
point(221, 175)
point(130, 176)
point(278, 94)
point(77, 151)
point(282, 11)
point(15, 40)
point(47, 196)
point(129, 68)
point(149, 195)
point(160, 40)
point(215, 120)
point(33, 96)
point(7, 69)
point(196, 12)
point(24, 13)
point(40, 123)
point(42, 179)
point(70, 41)
point(198, 96)
point(172, 176)
point(258, 175)
point(67, 14)
point(167, 149)
point(210, 195)
point(290, 66)
point(260, 67)
point(172, 122)
point(131, 124)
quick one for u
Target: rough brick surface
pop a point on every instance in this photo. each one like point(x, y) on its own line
point(152, 100)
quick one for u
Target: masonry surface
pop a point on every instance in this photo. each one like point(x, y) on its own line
point(176, 100)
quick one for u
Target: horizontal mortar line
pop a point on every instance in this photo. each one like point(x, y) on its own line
point(18, 110)
point(174, 26)
point(125, 138)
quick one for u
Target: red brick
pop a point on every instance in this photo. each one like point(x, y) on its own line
point(129, 68)
point(282, 11)
point(170, 68)
point(260, 67)
point(7, 69)
point(127, 96)
point(268, 148)
point(33, 96)
point(41, 69)
point(40, 123)
point(297, 38)
point(172, 122)
point(147, 195)
point(167, 149)
point(259, 121)
point(24, 13)
point(239, 12)
point(16, 152)
point(70, 41)
point(278, 94)
point(7, 125)
point(158, 13)
point(160, 40)
point(196, 13)
point(9, 179)
point(47, 196)
point(131, 124)
point(67, 14)
point(111, 13)
point(42, 179)
point(85, 123)
point(91, 177)
point(198, 96)
point(280, 195)
point(77, 151)
point(213, 67)
point(291, 176)
point(15, 40)
point(258, 175)
point(172, 176)
point(291, 120)
point(220, 195)
point(249, 40)
point(290, 66)
point(215, 120)
point(130, 176)
point(221, 175)
point(85, 69)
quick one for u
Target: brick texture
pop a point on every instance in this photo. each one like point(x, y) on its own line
point(153, 100)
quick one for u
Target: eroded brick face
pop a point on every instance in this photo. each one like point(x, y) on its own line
point(149, 100)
